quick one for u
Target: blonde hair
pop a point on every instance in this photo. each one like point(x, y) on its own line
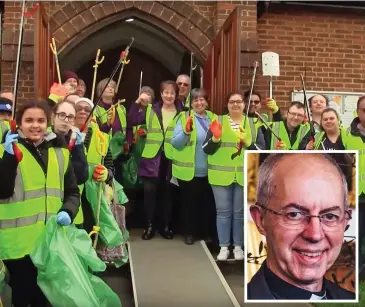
point(103, 83)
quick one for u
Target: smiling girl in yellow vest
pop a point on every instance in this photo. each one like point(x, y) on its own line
point(190, 167)
point(41, 185)
point(225, 173)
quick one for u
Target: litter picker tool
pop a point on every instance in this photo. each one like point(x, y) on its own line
point(140, 83)
point(121, 60)
point(112, 107)
point(53, 47)
point(192, 68)
point(96, 65)
point(124, 62)
point(312, 130)
point(18, 154)
point(251, 90)
point(270, 67)
point(267, 126)
point(102, 149)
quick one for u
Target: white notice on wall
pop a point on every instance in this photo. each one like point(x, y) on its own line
point(350, 103)
point(347, 119)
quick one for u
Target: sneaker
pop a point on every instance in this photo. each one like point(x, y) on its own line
point(223, 254)
point(238, 253)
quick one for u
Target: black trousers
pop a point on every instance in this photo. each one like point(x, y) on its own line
point(361, 238)
point(158, 197)
point(198, 207)
point(23, 282)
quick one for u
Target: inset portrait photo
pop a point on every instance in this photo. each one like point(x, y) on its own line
point(301, 226)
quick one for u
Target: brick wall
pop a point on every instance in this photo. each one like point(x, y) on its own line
point(12, 21)
point(330, 43)
point(206, 8)
point(10, 50)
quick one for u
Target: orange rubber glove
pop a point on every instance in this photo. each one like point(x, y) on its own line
point(125, 148)
point(58, 92)
point(141, 132)
point(310, 145)
point(216, 129)
point(305, 119)
point(100, 173)
point(281, 145)
point(189, 125)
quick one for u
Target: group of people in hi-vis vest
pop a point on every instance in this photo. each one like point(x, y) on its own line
point(177, 144)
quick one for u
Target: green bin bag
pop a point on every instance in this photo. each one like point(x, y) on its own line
point(109, 233)
point(64, 258)
point(116, 144)
point(119, 195)
point(130, 172)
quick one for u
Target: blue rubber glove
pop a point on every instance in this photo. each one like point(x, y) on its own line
point(78, 138)
point(63, 218)
point(9, 140)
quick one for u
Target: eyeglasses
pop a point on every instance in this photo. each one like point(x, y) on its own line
point(296, 219)
point(64, 116)
point(183, 84)
point(80, 108)
point(255, 101)
point(296, 114)
point(235, 101)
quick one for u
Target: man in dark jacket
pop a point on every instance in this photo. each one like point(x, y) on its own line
point(303, 219)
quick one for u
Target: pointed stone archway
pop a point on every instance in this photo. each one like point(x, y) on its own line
point(79, 19)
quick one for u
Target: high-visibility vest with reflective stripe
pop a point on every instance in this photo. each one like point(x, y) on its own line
point(222, 170)
point(102, 115)
point(352, 142)
point(4, 126)
point(279, 129)
point(156, 136)
point(183, 163)
point(37, 197)
point(93, 158)
point(255, 125)
point(318, 138)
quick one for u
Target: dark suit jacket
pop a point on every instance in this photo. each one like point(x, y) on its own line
point(258, 289)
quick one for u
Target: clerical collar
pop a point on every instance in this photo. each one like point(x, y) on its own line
point(282, 290)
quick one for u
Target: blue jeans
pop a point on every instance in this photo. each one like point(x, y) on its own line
point(229, 205)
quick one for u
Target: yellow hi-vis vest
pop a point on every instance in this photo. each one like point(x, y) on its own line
point(279, 129)
point(353, 142)
point(156, 136)
point(183, 163)
point(4, 126)
point(222, 170)
point(102, 115)
point(318, 138)
point(255, 125)
point(94, 158)
point(37, 196)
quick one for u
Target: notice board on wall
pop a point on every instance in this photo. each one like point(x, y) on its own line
point(343, 102)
